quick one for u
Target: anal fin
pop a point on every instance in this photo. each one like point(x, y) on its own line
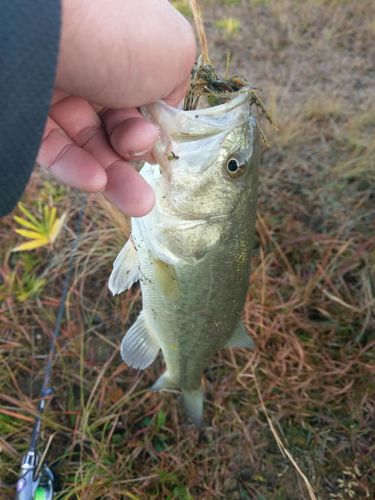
point(140, 345)
point(125, 269)
point(240, 338)
point(163, 382)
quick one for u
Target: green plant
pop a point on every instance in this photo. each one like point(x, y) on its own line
point(40, 232)
point(28, 286)
point(183, 7)
point(229, 25)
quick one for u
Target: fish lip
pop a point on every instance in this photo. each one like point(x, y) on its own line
point(237, 100)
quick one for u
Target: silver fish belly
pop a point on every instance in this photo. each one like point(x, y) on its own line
point(192, 252)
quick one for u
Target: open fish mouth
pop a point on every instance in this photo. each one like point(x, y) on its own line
point(208, 124)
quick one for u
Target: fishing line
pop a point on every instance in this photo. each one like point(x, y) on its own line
point(36, 480)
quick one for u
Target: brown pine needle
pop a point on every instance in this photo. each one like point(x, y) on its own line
point(227, 65)
point(284, 451)
point(198, 20)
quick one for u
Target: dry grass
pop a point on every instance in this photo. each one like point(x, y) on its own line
point(310, 309)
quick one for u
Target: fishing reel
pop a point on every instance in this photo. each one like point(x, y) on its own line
point(34, 485)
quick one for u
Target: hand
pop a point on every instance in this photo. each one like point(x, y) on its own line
point(114, 56)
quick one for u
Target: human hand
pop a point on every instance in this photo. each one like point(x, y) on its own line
point(114, 56)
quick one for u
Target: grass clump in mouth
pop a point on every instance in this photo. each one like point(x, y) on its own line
point(208, 89)
point(205, 82)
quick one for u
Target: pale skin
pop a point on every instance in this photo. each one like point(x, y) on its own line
point(114, 56)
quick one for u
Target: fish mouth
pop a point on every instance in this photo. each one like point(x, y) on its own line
point(178, 126)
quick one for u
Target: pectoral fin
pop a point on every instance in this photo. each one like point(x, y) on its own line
point(240, 338)
point(125, 269)
point(140, 345)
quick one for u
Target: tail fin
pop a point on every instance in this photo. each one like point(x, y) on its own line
point(193, 399)
point(193, 404)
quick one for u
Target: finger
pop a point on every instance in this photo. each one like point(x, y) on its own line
point(58, 95)
point(131, 136)
point(128, 190)
point(77, 168)
point(125, 187)
point(82, 124)
point(76, 117)
point(68, 162)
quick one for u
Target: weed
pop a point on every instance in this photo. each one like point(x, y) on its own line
point(42, 231)
point(229, 25)
point(183, 6)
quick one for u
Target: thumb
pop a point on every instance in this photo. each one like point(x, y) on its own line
point(116, 54)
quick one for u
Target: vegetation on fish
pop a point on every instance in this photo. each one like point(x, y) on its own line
point(207, 85)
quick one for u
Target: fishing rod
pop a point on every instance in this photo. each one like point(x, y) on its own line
point(36, 480)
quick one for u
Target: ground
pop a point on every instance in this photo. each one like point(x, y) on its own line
point(310, 307)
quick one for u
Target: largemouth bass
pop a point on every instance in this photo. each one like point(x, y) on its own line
point(192, 252)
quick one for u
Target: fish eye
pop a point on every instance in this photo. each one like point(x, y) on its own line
point(234, 168)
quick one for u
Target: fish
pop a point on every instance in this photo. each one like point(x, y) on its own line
point(192, 252)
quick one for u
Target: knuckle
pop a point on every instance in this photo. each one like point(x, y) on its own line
point(86, 135)
point(63, 151)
